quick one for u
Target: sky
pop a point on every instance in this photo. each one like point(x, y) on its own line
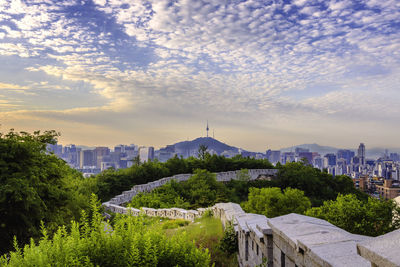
point(265, 74)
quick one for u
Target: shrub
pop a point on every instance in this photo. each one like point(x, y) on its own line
point(131, 242)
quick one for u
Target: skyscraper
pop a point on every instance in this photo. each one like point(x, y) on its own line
point(146, 154)
point(361, 153)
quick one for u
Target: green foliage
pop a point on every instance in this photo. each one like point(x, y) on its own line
point(133, 241)
point(207, 233)
point(171, 224)
point(113, 182)
point(202, 152)
point(36, 186)
point(272, 202)
point(229, 241)
point(372, 217)
point(200, 190)
point(318, 186)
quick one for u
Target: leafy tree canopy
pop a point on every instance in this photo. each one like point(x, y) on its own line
point(35, 186)
point(372, 217)
point(271, 202)
point(318, 186)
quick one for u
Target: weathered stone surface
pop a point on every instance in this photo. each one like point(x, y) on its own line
point(325, 243)
point(382, 250)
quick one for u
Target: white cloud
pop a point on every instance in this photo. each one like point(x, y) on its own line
point(243, 58)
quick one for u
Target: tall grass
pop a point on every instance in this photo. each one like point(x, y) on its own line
point(130, 242)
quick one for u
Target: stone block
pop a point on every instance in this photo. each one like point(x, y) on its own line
point(383, 250)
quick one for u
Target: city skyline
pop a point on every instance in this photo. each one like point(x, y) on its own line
point(268, 74)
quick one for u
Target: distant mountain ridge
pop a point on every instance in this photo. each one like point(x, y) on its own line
point(210, 142)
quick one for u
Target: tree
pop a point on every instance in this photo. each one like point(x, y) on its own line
point(202, 152)
point(272, 202)
point(318, 186)
point(372, 217)
point(203, 190)
point(35, 186)
point(136, 160)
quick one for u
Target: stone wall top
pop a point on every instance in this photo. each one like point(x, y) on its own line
point(383, 250)
point(329, 245)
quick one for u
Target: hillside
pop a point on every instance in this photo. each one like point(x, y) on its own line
point(210, 142)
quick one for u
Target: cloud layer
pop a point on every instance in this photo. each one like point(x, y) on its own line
point(266, 73)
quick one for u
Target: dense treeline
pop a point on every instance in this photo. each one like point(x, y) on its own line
point(113, 182)
point(317, 185)
point(203, 190)
point(35, 187)
point(200, 190)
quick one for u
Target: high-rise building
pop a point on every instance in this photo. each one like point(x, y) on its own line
point(361, 153)
point(274, 156)
point(345, 154)
point(329, 160)
point(306, 155)
point(87, 158)
point(99, 153)
point(146, 154)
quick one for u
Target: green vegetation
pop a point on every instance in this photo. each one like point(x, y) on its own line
point(112, 182)
point(200, 190)
point(318, 186)
point(207, 233)
point(229, 241)
point(132, 241)
point(171, 224)
point(372, 217)
point(272, 202)
point(35, 187)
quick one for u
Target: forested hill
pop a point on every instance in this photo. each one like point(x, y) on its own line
point(210, 142)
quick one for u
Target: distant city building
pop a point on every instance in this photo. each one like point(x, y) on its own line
point(345, 154)
point(306, 155)
point(146, 154)
point(87, 158)
point(273, 156)
point(301, 150)
point(329, 160)
point(361, 153)
point(99, 153)
point(318, 162)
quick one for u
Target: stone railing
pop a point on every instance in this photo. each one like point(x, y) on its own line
point(127, 196)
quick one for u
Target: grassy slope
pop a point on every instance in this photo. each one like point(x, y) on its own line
point(206, 233)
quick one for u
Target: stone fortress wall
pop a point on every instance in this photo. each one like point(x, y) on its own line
point(291, 240)
point(126, 196)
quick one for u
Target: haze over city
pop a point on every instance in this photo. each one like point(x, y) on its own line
point(266, 74)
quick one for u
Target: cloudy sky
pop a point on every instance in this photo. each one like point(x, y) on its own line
point(266, 74)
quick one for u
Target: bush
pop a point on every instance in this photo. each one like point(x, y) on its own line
point(229, 241)
point(271, 202)
point(172, 224)
point(372, 217)
point(131, 242)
